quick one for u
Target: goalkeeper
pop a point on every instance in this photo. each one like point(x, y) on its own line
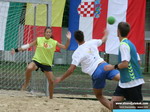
point(43, 57)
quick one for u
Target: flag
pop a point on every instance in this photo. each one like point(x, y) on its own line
point(10, 15)
point(90, 16)
point(35, 24)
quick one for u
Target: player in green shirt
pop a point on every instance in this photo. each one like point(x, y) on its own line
point(43, 57)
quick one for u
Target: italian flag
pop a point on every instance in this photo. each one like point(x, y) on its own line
point(90, 16)
point(10, 16)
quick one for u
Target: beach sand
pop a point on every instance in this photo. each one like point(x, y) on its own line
point(22, 101)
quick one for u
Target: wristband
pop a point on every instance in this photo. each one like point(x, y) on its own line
point(26, 46)
point(16, 50)
point(116, 66)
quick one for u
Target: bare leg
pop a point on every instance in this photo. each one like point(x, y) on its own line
point(101, 98)
point(117, 77)
point(114, 99)
point(50, 76)
point(32, 66)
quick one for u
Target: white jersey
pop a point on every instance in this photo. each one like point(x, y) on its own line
point(88, 56)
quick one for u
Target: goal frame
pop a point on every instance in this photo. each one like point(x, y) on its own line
point(48, 3)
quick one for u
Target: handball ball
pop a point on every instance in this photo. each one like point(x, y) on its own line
point(111, 20)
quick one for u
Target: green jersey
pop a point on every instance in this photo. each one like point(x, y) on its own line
point(45, 51)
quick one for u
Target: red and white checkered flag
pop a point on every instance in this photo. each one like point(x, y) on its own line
point(86, 9)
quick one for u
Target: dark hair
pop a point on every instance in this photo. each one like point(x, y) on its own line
point(79, 36)
point(47, 28)
point(50, 29)
point(124, 28)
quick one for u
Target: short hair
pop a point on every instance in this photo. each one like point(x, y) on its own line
point(124, 28)
point(79, 36)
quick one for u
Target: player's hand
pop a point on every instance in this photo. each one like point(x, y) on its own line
point(109, 67)
point(68, 35)
point(57, 80)
point(12, 51)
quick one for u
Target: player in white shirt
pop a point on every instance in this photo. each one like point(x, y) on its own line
point(87, 55)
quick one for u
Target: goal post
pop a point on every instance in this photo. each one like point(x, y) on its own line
point(13, 31)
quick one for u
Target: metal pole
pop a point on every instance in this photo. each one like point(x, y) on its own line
point(34, 37)
point(147, 55)
point(49, 15)
point(34, 23)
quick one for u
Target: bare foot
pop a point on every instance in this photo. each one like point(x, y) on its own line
point(24, 87)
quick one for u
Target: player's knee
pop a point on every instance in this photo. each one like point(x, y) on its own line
point(51, 82)
point(29, 68)
point(98, 96)
point(117, 77)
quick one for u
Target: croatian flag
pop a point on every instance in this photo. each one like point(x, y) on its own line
point(90, 16)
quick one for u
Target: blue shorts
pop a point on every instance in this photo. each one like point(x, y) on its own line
point(100, 75)
point(42, 67)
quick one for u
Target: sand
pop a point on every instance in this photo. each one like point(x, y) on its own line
point(18, 101)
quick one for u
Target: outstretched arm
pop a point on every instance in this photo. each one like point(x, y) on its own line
point(68, 35)
point(24, 47)
point(125, 58)
point(104, 38)
point(66, 74)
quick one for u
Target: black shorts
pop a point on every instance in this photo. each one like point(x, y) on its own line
point(133, 94)
point(42, 67)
